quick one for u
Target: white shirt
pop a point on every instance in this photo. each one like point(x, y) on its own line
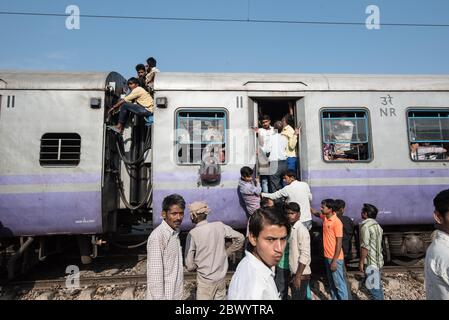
point(252, 280)
point(297, 191)
point(278, 147)
point(299, 251)
point(212, 135)
point(150, 84)
point(343, 130)
point(423, 151)
point(436, 269)
point(265, 138)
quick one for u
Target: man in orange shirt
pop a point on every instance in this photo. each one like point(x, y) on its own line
point(333, 253)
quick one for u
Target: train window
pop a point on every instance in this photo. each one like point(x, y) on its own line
point(200, 134)
point(60, 149)
point(428, 134)
point(345, 135)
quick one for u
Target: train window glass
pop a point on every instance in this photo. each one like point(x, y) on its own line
point(200, 134)
point(428, 134)
point(60, 149)
point(345, 135)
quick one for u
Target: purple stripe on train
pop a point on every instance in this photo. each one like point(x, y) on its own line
point(318, 174)
point(50, 213)
point(223, 202)
point(192, 176)
point(398, 205)
point(51, 178)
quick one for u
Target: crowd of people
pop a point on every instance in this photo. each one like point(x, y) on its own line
point(278, 248)
point(278, 241)
point(294, 251)
point(277, 244)
point(139, 100)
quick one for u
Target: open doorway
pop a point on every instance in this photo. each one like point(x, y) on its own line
point(276, 108)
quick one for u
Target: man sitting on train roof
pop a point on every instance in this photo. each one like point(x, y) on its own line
point(141, 75)
point(138, 101)
point(151, 73)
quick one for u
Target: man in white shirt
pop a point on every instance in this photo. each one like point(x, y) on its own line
point(343, 130)
point(426, 152)
point(264, 138)
point(151, 73)
point(254, 276)
point(278, 157)
point(299, 254)
point(436, 268)
point(295, 191)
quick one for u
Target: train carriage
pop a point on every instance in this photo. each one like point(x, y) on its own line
point(388, 113)
point(63, 172)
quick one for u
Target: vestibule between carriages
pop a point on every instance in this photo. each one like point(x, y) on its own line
point(276, 108)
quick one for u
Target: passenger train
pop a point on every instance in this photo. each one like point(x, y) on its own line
point(62, 172)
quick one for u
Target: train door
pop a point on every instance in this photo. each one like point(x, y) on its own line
point(253, 121)
point(299, 118)
point(276, 108)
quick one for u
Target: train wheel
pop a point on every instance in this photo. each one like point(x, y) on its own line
point(405, 262)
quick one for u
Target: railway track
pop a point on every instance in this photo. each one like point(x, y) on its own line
point(128, 281)
point(117, 280)
point(132, 287)
point(140, 279)
point(393, 269)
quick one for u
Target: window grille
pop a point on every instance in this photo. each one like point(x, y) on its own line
point(60, 149)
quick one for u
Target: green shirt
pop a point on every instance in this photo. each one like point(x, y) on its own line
point(284, 263)
point(371, 239)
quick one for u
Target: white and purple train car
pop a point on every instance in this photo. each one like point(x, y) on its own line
point(61, 171)
point(374, 164)
point(55, 176)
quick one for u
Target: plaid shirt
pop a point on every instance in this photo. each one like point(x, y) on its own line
point(164, 264)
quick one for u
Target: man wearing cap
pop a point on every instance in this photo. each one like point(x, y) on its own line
point(207, 254)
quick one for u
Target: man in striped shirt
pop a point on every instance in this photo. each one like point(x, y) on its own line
point(371, 258)
point(165, 275)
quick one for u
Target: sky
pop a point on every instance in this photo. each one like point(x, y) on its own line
point(44, 42)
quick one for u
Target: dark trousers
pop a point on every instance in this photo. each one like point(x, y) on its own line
point(276, 170)
point(126, 108)
point(282, 278)
point(301, 292)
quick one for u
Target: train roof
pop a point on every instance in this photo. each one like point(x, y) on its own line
point(298, 82)
point(174, 81)
point(42, 80)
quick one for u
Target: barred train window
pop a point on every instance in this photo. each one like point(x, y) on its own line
point(345, 135)
point(60, 149)
point(200, 135)
point(428, 134)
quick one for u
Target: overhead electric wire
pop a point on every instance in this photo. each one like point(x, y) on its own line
point(248, 20)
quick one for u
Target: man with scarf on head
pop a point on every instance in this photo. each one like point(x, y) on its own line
point(206, 252)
